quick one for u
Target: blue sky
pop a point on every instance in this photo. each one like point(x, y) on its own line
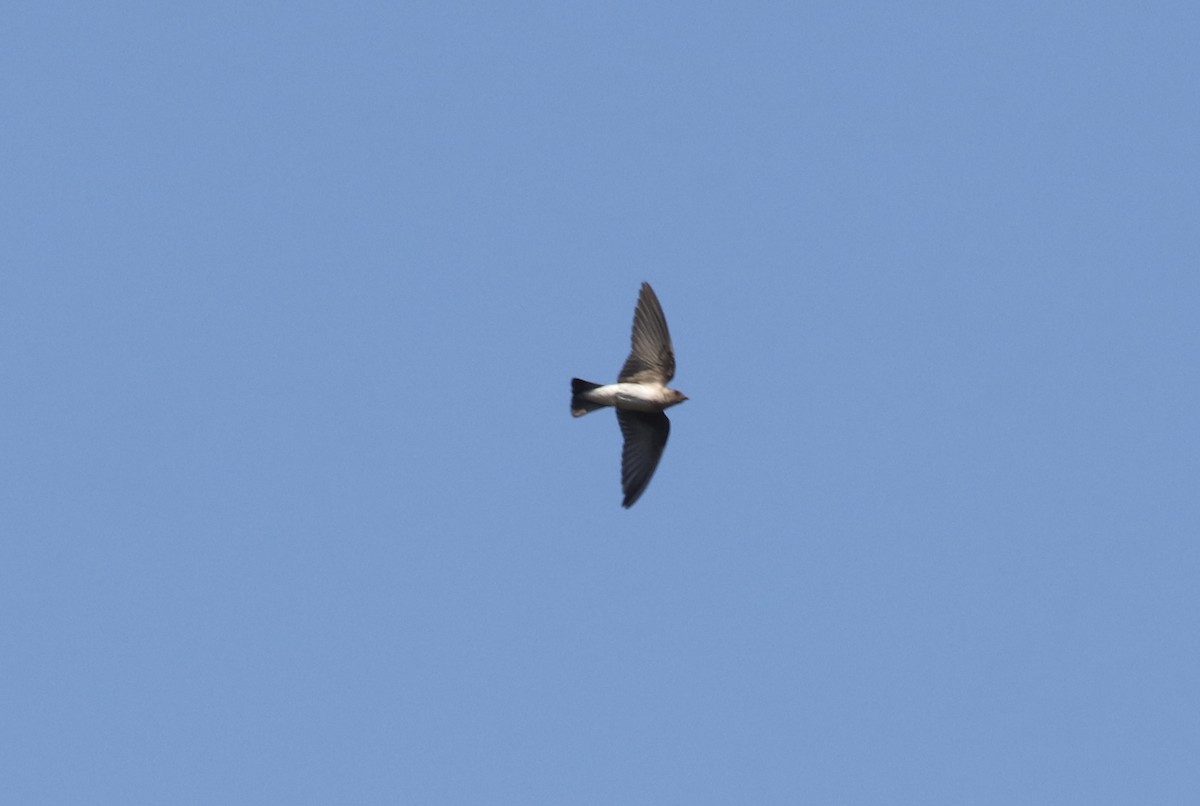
point(294, 511)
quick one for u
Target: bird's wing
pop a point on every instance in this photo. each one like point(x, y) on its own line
point(651, 359)
point(645, 437)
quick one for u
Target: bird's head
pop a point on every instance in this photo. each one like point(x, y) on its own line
point(677, 397)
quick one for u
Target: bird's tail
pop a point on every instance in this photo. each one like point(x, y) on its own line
point(580, 405)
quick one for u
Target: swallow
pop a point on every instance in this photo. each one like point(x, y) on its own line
point(640, 396)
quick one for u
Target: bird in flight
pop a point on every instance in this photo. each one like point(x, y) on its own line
point(640, 395)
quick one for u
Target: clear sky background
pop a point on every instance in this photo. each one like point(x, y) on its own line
point(293, 508)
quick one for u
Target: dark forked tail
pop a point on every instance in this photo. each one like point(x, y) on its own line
point(580, 405)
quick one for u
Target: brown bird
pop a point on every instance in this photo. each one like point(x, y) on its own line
point(640, 395)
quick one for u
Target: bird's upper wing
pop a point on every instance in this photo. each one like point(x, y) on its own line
point(645, 437)
point(651, 359)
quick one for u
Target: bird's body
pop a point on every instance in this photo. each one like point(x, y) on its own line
point(640, 395)
point(632, 396)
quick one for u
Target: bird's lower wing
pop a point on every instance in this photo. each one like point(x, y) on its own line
point(645, 437)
